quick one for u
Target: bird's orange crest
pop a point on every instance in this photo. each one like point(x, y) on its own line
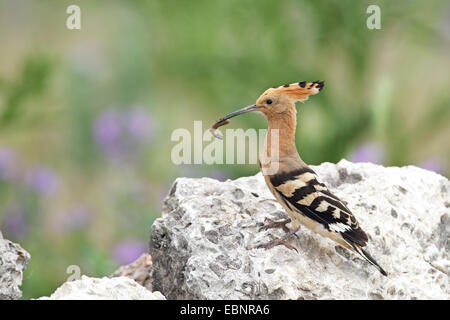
point(299, 91)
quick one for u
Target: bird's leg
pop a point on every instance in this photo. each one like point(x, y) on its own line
point(276, 224)
point(280, 241)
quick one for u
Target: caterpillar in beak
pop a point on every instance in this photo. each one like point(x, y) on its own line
point(215, 126)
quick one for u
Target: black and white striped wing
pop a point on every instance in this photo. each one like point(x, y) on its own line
point(302, 192)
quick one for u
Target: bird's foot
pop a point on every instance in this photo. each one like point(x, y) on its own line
point(275, 224)
point(279, 241)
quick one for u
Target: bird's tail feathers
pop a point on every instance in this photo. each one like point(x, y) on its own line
point(368, 258)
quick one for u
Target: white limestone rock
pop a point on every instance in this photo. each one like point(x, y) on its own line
point(13, 261)
point(203, 245)
point(118, 288)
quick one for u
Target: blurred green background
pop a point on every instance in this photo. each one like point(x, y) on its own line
point(86, 115)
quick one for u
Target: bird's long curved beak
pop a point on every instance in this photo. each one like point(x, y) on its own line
point(253, 107)
point(224, 120)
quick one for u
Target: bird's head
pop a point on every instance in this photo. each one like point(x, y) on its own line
point(279, 100)
point(276, 101)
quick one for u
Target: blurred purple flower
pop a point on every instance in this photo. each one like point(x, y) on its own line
point(190, 171)
point(140, 125)
point(8, 164)
point(434, 164)
point(122, 132)
point(128, 251)
point(107, 131)
point(219, 175)
point(14, 224)
point(368, 152)
point(42, 180)
point(72, 220)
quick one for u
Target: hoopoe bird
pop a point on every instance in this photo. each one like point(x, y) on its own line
point(296, 186)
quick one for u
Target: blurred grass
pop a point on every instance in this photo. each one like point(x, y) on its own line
point(69, 102)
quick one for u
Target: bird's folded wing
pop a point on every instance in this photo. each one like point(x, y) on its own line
point(302, 192)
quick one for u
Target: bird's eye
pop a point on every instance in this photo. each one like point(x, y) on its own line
point(268, 101)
